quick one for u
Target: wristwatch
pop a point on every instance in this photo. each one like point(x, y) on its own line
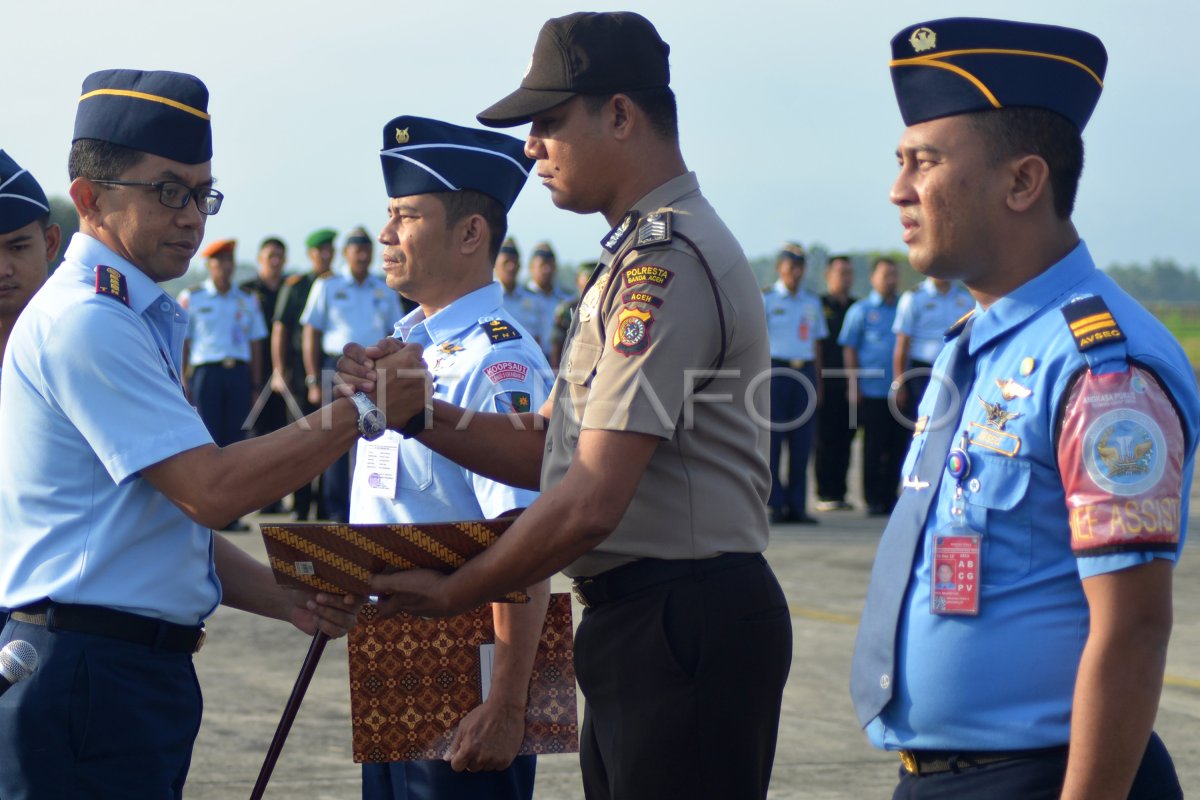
point(310, 380)
point(371, 422)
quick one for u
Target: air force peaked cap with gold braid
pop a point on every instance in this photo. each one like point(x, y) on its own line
point(961, 65)
point(163, 113)
point(21, 198)
point(422, 156)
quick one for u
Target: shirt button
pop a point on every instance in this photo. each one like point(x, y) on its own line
point(885, 681)
point(164, 306)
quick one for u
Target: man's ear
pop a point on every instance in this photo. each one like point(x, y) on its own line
point(53, 241)
point(1030, 182)
point(621, 109)
point(473, 234)
point(85, 195)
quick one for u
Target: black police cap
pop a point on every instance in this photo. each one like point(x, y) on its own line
point(962, 65)
point(422, 156)
point(585, 53)
point(159, 112)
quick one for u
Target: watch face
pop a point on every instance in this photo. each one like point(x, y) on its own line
point(372, 424)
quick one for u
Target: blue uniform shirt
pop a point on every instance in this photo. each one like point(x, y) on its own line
point(91, 397)
point(473, 372)
point(795, 322)
point(221, 326)
point(868, 329)
point(924, 315)
point(1005, 679)
point(546, 304)
point(346, 311)
point(522, 307)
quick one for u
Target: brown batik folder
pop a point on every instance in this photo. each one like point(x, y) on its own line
point(412, 681)
point(341, 558)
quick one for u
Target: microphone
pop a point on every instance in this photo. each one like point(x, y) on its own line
point(18, 661)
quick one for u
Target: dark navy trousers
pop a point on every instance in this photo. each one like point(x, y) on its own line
point(793, 395)
point(99, 719)
point(425, 780)
point(222, 396)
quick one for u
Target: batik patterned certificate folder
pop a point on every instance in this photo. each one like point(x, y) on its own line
point(342, 558)
point(412, 680)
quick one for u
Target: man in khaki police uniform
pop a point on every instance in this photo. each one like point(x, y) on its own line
point(653, 470)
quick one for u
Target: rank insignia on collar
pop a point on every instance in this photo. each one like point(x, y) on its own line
point(450, 347)
point(499, 331)
point(1010, 389)
point(1092, 324)
point(617, 235)
point(112, 283)
point(997, 415)
point(655, 229)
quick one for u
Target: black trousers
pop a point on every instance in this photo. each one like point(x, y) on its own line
point(1036, 779)
point(884, 445)
point(832, 452)
point(683, 683)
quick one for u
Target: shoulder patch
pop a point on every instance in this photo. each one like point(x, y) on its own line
point(654, 230)
point(612, 242)
point(1091, 323)
point(648, 273)
point(506, 371)
point(112, 283)
point(636, 296)
point(632, 335)
point(499, 331)
point(959, 324)
point(514, 402)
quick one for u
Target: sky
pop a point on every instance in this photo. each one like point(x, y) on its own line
point(786, 109)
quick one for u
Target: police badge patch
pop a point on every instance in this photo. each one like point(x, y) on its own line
point(632, 335)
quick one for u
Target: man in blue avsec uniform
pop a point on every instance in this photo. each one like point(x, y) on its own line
point(868, 342)
point(520, 303)
point(795, 325)
point(110, 482)
point(542, 286)
point(1052, 458)
point(356, 307)
point(439, 248)
point(28, 243)
point(925, 312)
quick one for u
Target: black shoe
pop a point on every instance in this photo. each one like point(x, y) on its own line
point(877, 510)
point(775, 516)
point(802, 519)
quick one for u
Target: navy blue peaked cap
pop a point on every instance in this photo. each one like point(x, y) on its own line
point(961, 65)
point(163, 113)
point(21, 198)
point(422, 156)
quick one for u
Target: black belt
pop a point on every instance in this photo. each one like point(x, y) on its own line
point(626, 579)
point(99, 621)
point(795, 363)
point(932, 762)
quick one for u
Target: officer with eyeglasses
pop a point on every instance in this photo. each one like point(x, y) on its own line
point(111, 483)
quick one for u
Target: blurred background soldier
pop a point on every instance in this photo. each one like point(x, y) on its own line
point(543, 269)
point(831, 454)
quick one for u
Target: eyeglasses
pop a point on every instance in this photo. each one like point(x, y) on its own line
point(173, 194)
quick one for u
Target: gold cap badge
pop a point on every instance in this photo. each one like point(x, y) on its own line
point(923, 39)
point(401, 135)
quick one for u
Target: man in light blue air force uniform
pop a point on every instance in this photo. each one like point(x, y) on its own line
point(1047, 482)
point(450, 190)
point(110, 483)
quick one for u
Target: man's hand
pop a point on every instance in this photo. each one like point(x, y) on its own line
point(333, 615)
point(405, 387)
point(422, 592)
point(488, 738)
point(279, 383)
point(356, 367)
point(314, 395)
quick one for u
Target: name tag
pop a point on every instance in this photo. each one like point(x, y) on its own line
point(956, 571)
point(380, 464)
point(1001, 442)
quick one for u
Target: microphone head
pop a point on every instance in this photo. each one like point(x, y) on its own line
point(18, 661)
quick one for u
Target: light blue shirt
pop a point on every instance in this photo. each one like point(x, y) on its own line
point(868, 329)
point(345, 311)
point(221, 326)
point(92, 396)
point(925, 314)
point(472, 372)
point(795, 322)
point(1005, 679)
point(524, 308)
point(546, 303)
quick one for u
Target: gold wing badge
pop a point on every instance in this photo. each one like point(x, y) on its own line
point(997, 415)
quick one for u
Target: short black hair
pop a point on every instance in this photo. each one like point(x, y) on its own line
point(462, 204)
point(1012, 132)
point(100, 160)
point(658, 104)
point(882, 260)
point(272, 240)
point(839, 257)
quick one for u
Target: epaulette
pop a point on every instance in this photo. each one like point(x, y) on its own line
point(1091, 323)
point(955, 329)
point(612, 241)
point(499, 331)
point(112, 283)
point(654, 230)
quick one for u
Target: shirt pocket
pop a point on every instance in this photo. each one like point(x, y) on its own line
point(580, 365)
point(998, 507)
point(416, 467)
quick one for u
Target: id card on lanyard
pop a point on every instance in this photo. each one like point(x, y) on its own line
point(957, 550)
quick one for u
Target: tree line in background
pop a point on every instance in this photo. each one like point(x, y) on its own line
point(1162, 282)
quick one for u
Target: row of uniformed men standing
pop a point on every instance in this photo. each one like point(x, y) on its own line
point(840, 363)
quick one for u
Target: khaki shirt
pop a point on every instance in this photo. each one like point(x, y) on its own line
point(641, 343)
